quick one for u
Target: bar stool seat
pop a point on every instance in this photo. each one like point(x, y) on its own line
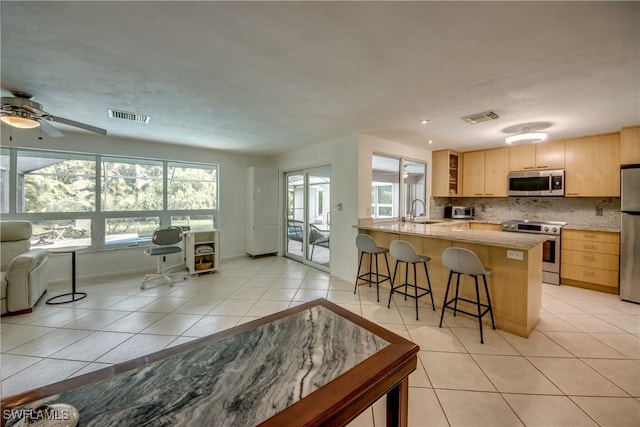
point(405, 253)
point(366, 245)
point(463, 261)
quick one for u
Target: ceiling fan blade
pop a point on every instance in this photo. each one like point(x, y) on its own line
point(49, 129)
point(79, 125)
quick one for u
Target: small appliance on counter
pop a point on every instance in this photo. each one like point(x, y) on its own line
point(459, 212)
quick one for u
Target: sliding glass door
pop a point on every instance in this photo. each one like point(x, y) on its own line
point(308, 226)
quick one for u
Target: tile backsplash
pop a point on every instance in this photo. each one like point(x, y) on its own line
point(576, 211)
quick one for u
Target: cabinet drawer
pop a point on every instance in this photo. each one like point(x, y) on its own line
point(589, 275)
point(588, 246)
point(590, 259)
point(592, 236)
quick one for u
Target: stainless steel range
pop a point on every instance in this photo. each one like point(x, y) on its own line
point(550, 248)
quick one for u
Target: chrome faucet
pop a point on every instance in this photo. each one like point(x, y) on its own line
point(412, 212)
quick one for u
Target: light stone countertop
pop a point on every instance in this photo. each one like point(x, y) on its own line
point(460, 232)
point(591, 228)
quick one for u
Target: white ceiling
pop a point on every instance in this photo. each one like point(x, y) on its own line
point(265, 77)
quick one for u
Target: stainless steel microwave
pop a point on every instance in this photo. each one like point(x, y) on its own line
point(537, 183)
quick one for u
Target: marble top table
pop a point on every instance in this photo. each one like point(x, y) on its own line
point(314, 364)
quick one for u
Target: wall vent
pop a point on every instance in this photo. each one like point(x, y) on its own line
point(132, 117)
point(485, 116)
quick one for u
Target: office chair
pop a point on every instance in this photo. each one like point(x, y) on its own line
point(166, 241)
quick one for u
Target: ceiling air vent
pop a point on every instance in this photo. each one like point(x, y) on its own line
point(480, 117)
point(132, 117)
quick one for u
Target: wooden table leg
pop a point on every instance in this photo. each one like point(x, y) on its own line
point(398, 405)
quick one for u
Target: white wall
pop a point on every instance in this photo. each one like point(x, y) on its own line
point(232, 200)
point(342, 155)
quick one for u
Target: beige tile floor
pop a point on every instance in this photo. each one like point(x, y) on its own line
point(581, 367)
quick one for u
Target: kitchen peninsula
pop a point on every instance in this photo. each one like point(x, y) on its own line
point(516, 260)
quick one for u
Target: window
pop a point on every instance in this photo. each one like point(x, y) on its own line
point(382, 200)
point(192, 186)
point(414, 180)
point(394, 180)
point(130, 230)
point(55, 182)
point(81, 199)
point(131, 185)
point(385, 183)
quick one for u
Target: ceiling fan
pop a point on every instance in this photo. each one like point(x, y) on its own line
point(21, 111)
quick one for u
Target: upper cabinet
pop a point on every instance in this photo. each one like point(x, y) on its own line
point(630, 146)
point(473, 174)
point(485, 173)
point(447, 174)
point(541, 156)
point(592, 166)
point(496, 172)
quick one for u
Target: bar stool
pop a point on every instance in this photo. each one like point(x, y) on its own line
point(463, 261)
point(366, 245)
point(405, 253)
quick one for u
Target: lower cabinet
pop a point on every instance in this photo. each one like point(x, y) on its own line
point(202, 251)
point(590, 259)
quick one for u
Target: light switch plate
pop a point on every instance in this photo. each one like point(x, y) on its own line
point(518, 255)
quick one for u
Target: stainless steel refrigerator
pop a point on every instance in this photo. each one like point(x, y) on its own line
point(630, 234)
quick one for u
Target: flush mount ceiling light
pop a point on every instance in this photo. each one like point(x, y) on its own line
point(526, 133)
point(20, 122)
point(424, 121)
point(526, 138)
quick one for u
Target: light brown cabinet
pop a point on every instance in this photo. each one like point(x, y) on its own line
point(593, 166)
point(496, 172)
point(590, 259)
point(485, 173)
point(541, 156)
point(473, 174)
point(630, 146)
point(447, 174)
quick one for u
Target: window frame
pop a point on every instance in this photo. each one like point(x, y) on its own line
point(401, 210)
point(99, 217)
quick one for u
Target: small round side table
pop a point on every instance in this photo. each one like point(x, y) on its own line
point(73, 295)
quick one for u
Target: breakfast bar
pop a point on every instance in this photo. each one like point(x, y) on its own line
point(516, 260)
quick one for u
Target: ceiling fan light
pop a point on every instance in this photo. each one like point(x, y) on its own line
point(526, 138)
point(20, 122)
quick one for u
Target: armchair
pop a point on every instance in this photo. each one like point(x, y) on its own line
point(24, 270)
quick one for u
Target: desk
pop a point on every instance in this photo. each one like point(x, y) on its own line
point(313, 364)
point(75, 296)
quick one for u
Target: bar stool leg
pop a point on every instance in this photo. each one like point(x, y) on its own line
point(486, 289)
point(395, 271)
point(386, 261)
point(406, 280)
point(370, 267)
point(455, 302)
point(415, 286)
point(446, 295)
point(426, 270)
point(355, 289)
point(475, 278)
point(377, 280)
